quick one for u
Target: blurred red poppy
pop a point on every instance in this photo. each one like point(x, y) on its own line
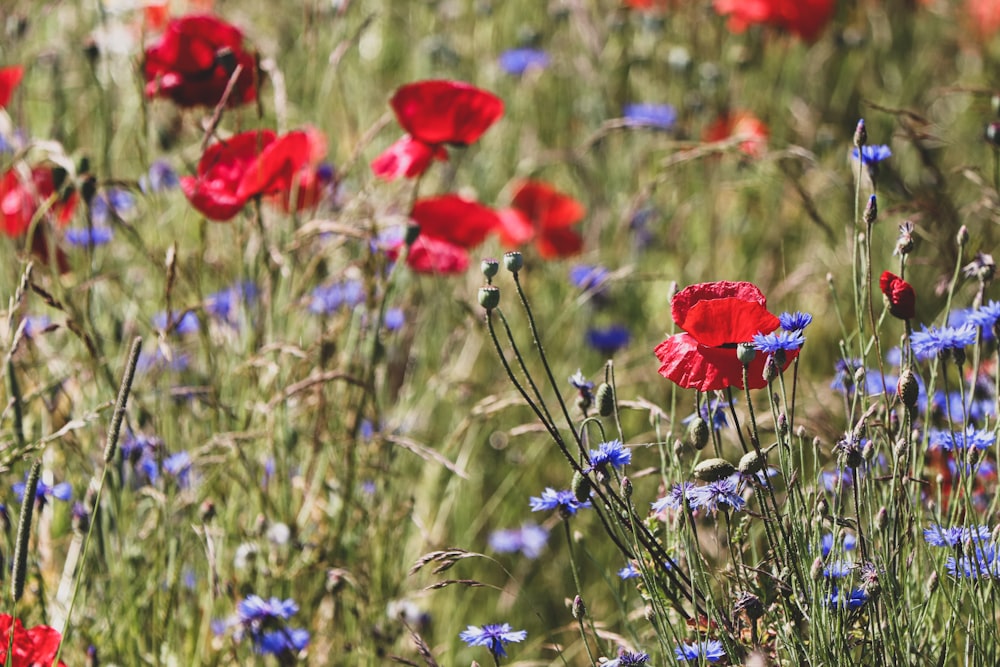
point(430, 255)
point(32, 646)
point(288, 171)
point(899, 293)
point(805, 18)
point(10, 77)
point(983, 16)
point(541, 212)
point(715, 318)
point(21, 197)
point(435, 113)
point(449, 225)
point(740, 124)
point(216, 189)
point(192, 62)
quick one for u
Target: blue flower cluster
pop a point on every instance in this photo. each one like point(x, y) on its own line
point(265, 622)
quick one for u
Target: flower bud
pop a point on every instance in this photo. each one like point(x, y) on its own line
point(993, 134)
point(770, 372)
point(881, 519)
point(513, 261)
point(489, 267)
point(697, 433)
point(907, 388)
point(627, 487)
point(782, 425)
point(962, 238)
point(579, 609)
point(901, 450)
point(581, 487)
point(860, 134)
point(605, 400)
point(871, 211)
point(932, 584)
point(489, 297)
point(712, 470)
point(816, 571)
point(868, 451)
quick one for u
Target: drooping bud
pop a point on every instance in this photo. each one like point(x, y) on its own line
point(712, 470)
point(962, 238)
point(752, 462)
point(605, 400)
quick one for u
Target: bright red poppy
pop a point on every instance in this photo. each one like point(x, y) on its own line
point(216, 189)
point(900, 296)
point(32, 646)
point(435, 113)
point(449, 226)
point(541, 212)
point(740, 124)
point(21, 195)
point(983, 16)
point(805, 18)
point(649, 5)
point(194, 59)
point(289, 171)
point(10, 77)
point(715, 318)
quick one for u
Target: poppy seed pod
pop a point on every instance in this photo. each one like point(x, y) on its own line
point(489, 267)
point(489, 297)
point(513, 261)
point(752, 462)
point(746, 353)
point(712, 470)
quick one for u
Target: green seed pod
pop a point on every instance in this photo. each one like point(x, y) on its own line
point(605, 400)
point(489, 297)
point(581, 487)
point(489, 267)
point(513, 261)
point(907, 388)
point(745, 352)
point(712, 470)
point(697, 433)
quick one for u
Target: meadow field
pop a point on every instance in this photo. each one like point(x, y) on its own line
point(468, 332)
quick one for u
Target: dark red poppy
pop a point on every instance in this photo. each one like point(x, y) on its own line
point(740, 124)
point(805, 18)
point(900, 295)
point(216, 189)
point(194, 59)
point(21, 195)
point(716, 317)
point(435, 113)
point(288, 171)
point(10, 77)
point(32, 646)
point(541, 212)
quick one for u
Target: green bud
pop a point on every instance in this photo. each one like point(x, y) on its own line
point(907, 388)
point(627, 487)
point(579, 609)
point(697, 433)
point(712, 470)
point(752, 462)
point(605, 400)
point(581, 487)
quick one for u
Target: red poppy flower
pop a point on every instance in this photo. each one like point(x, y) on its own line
point(288, 171)
point(716, 317)
point(805, 18)
point(216, 190)
point(430, 255)
point(899, 293)
point(983, 16)
point(32, 646)
point(192, 62)
point(740, 124)
point(10, 77)
point(540, 211)
point(435, 113)
point(449, 225)
point(20, 199)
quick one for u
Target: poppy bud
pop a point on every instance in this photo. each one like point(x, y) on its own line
point(899, 294)
point(907, 388)
point(605, 400)
point(745, 352)
point(860, 134)
point(712, 470)
point(489, 267)
point(489, 297)
point(513, 261)
point(752, 463)
point(581, 487)
point(697, 433)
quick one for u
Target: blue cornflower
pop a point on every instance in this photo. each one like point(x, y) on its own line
point(141, 451)
point(255, 609)
point(282, 642)
point(834, 480)
point(613, 452)
point(580, 382)
point(608, 340)
point(179, 466)
point(62, 491)
point(113, 203)
point(395, 318)
point(519, 61)
point(843, 380)
point(721, 492)
point(565, 501)
point(939, 536)
point(265, 622)
point(796, 321)
point(983, 562)
point(181, 323)
point(714, 413)
point(327, 299)
point(628, 659)
point(95, 236)
point(35, 324)
point(973, 437)
point(675, 499)
point(493, 637)
point(161, 177)
point(872, 154)
point(660, 116)
point(851, 600)
point(838, 569)
point(711, 650)
point(630, 571)
point(589, 278)
point(778, 341)
point(928, 343)
point(222, 304)
point(985, 317)
point(826, 543)
point(529, 539)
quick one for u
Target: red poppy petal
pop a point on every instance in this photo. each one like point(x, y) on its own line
point(429, 255)
point(407, 158)
point(445, 112)
point(214, 199)
point(546, 207)
point(10, 77)
point(693, 366)
point(274, 170)
point(560, 242)
point(450, 218)
point(514, 229)
point(723, 312)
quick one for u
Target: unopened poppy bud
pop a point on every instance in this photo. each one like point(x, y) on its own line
point(745, 352)
point(963, 236)
point(881, 519)
point(627, 487)
point(752, 463)
point(513, 261)
point(581, 487)
point(871, 210)
point(489, 267)
point(697, 433)
point(579, 609)
point(412, 234)
point(712, 470)
point(489, 297)
point(605, 400)
point(993, 134)
point(907, 388)
point(860, 134)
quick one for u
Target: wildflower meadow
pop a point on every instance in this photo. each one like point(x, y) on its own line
point(464, 332)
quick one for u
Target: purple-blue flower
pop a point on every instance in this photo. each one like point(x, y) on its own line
point(113, 203)
point(327, 299)
point(675, 499)
point(589, 278)
point(161, 177)
point(850, 600)
point(713, 412)
point(826, 543)
point(222, 305)
point(180, 323)
point(265, 621)
point(628, 659)
point(565, 501)
point(493, 637)
point(613, 452)
point(519, 61)
point(950, 440)
point(83, 237)
point(529, 539)
point(178, 466)
point(928, 343)
point(608, 340)
point(796, 321)
point(711, 650)
point(940, 536)
point(872, 154)
point(62, 491)
point(983, 562)
point(394, 319)
point(630, 571)
point(660, 116)
point(712, 495)
point(778, 341)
